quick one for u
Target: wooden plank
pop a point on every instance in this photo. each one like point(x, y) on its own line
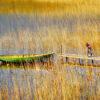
point(80, 60)
point(80, 56)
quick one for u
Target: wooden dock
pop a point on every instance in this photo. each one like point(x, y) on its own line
point(80, 60)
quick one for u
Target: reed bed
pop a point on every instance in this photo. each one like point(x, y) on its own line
point(41, 42)
point(56, 83)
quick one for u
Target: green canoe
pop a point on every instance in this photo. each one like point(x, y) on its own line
point(24, 58)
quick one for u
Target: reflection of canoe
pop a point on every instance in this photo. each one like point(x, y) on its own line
point(26, 58)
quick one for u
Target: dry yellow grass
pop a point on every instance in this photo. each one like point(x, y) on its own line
point(54, 86)
point(71, 7)
point(38, 42)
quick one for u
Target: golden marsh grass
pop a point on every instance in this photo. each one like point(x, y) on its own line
point(57, 83)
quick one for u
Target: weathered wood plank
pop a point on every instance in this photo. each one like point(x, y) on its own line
point(81, 60)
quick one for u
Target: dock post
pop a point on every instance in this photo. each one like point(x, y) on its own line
point(61, 49)
point(66, 59)
point(80, 61)
point(92, 62)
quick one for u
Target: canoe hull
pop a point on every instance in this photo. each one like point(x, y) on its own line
point(26, 59)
